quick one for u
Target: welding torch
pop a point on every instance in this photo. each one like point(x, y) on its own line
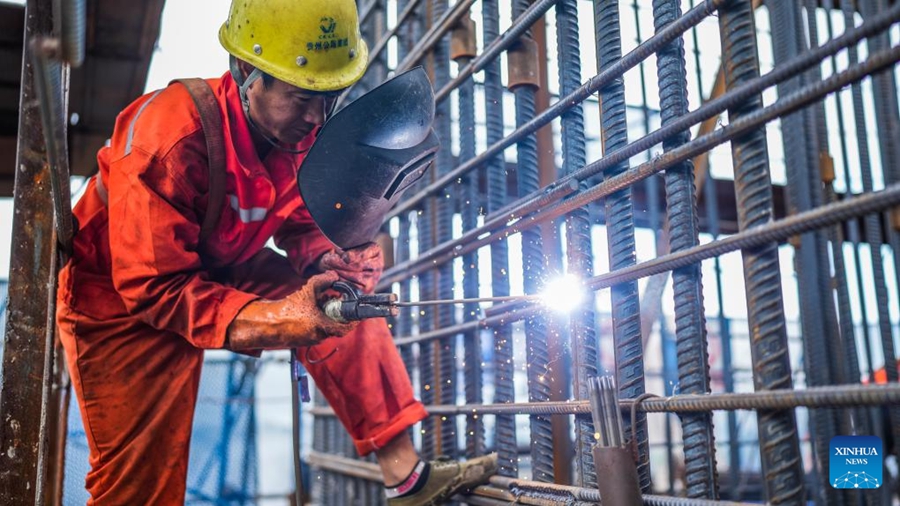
point(355, 306)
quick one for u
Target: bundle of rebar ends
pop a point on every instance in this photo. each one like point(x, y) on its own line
point(614, 460)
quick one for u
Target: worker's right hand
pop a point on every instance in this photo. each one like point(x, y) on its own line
point(297, 320)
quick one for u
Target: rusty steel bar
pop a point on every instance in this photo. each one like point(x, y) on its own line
point(382, 43)
point(815, 397)
point(504, 387)
point(780, 445)
point(862, 421)
point(445, 208)
point(470, 204)
point(579, 257)
point(785, 105)
point(738, 127)
point(566, 494)
point(508, 489)
point(684, 233)
point(801, 155)
point(536, 329)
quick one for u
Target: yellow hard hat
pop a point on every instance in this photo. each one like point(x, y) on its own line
point(311, 44)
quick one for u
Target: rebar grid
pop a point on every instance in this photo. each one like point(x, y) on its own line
point(477, 184)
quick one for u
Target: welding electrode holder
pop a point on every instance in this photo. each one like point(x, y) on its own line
point(353, 306)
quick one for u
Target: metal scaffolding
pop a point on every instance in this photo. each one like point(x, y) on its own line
point(579, 172)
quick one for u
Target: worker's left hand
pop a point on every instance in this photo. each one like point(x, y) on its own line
point(360, 266)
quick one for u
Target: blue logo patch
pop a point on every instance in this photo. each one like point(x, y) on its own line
point(855, 462)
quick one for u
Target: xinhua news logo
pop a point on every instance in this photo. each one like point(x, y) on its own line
point(855, 462)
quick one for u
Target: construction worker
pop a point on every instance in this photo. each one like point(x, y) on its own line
point(158, 273)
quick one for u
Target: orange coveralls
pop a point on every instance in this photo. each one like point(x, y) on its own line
point(137, 306)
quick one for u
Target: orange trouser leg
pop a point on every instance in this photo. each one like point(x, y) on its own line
point(363, 379)
point(136, 388)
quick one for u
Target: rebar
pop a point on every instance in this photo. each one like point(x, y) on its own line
point(72, 17)
point(446, 382)
point(579, 258)
point(504, 391)
point(862, 423)
point(801, 153)
point(536, 331)
point(778, 438)
point(684, 230)
point(470, 205)
point(814, 397)
point(620, 230)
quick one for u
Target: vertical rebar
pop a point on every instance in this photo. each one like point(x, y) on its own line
point(403, 322)
point(537, 355)
point(684, 233)
point(620, 229)
point(403, 250)
point(470, 206)
point(863, 153)
point(318, 491)
point(497, 196)
point(579, 256)
point(781, 462)
point(862, 423)
point(445, 209)
point(842, 357)
point(711, 206)
point(801, 156)
point(426, 323)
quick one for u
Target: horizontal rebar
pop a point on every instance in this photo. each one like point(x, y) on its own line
point(486, 234)
point(813, 397)
point(443, 302)
point(521, 488)
point(503, 488)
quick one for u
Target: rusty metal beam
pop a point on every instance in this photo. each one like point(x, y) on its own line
point(32, 283)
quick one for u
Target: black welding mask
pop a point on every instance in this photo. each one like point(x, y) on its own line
point(366, 155)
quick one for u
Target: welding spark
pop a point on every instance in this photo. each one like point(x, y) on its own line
point(563, 294)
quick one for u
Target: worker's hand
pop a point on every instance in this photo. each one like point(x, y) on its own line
point(297, 320)
point(360, 266)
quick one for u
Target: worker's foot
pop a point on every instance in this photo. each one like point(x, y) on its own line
point(435, 482)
